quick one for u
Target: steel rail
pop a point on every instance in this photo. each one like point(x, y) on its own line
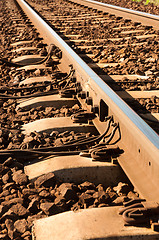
point(144, 18)
point(140, 160)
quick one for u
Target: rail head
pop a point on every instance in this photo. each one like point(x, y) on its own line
point(139, 139)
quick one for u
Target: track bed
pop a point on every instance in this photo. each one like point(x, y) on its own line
point(63, 139)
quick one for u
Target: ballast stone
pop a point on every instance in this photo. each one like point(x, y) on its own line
point(46, 180)
point(20, 178)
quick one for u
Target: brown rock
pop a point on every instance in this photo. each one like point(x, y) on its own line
point(10, 145)
point(28, 191)
point(8, 162)
point(19, 210)
point(54, 134)
point(26, 234)
point(27, 238)
point(31, 197)
point(20, 178)
point(11, 234)
point(48, 110)
point(40, 189)
point(37, 72)
point(28, 139)
point(103, 205)
point(9, 215)
point(103, 197)
point(10, 226)
point(113, 195)
point(70, 203)
point(75, 207)
point(132, 195)
point(92, 192)
point(60, 202)
point(122, 188)
point(52, 192)
point(9, 197)
point(67, 192)
point(31, 142)
point(44, 194)
point(3, 236)
point(120, 200)
point(24, 118)
point(4, 193)
point(58, 142)
point(3, 209)
point(75, 107)
point(49, 208)
point(18, 165)
point(13, 191)
point(87, 186)
point(86, 199)
point(2, 169)
point(100, 188)
point(21, 225)
point(95, 195)
point(33, 206)
point(6, 178)
point(46, 180)
point(13, 201)
point(9, 186)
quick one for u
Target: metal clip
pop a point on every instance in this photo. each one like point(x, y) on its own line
point(139, 211)
point(82, 117)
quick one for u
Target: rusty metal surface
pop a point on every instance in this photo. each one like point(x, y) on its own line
point(139, 141)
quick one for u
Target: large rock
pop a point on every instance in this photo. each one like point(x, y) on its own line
point(10, 227)
point(19, 210)
point(49, 208)
point(21, 225)
point(67, 192)
point(47, 180)
point(20, 178)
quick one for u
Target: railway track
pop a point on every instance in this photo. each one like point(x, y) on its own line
point(67, 126)
point(138, 6)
